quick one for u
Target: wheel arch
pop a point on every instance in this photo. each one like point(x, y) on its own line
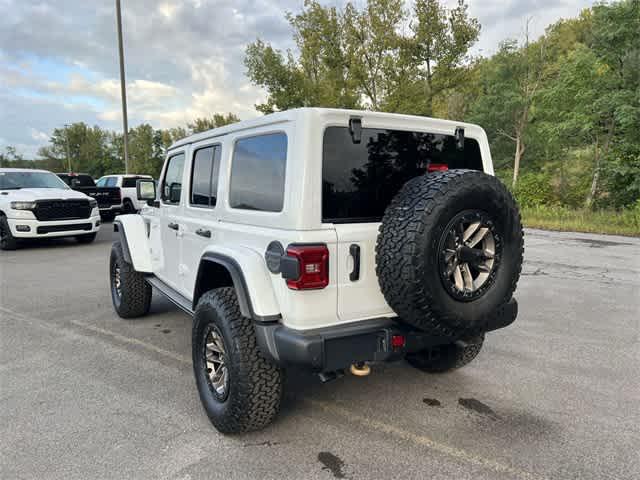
point(244, 271)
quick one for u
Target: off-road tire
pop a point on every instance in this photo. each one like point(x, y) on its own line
point(445, 358)
point(408, 249)
point(86, 238)
point(134, 296)
point(254, 389)
point(7, 240)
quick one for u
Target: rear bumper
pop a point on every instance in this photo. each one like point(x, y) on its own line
point(31, 228)
point(337, 347)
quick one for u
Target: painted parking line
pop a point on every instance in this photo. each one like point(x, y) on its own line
point(328, 407)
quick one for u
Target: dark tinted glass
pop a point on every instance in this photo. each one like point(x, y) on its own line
point(26, 179)
point(204, 176)
point(130, 182)
point(257, 173)
point(360, 180)
point(82, 181)
point(172, 183)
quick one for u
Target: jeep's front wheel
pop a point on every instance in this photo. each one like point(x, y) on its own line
point(130, 292)
point(239, 389)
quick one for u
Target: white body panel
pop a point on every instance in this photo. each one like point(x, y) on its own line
point(245, 234)
point(135, 229)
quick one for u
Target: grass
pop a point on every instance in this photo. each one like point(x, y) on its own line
point(625, 222)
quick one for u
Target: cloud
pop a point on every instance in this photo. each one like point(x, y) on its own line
point(184, 58)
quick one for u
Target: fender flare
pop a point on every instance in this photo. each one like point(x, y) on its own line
point(264, 314)
point(138, 253)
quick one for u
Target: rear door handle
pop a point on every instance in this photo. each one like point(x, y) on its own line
point(173, 226)
point(203, 233)
point(354, 250)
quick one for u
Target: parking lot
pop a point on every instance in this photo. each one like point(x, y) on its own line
point(85, 394)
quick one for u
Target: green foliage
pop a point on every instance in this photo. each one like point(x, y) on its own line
point(535, 189)
point(381, 56)
point(622, 177)
point(217, 120)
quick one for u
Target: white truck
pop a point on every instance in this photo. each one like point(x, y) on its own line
point(38, 204)
point(127, 185)
point(322, 238)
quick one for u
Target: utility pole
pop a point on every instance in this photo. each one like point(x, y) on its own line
point(123, 89)
point(66, 137)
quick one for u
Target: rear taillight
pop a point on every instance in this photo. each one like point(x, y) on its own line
point(437, 167)
point(313, 266)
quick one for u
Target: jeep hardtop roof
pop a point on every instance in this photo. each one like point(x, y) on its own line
point(297, 113)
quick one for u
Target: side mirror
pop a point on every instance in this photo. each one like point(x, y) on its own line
point(146, 190)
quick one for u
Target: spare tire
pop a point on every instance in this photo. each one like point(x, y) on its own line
point(449, 251)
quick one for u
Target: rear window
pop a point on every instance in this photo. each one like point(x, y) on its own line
point(360, 180)
point(77, 180)
point(257, 173)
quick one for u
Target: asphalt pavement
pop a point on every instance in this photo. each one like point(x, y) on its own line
point(85, 394)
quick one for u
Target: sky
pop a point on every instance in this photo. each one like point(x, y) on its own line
point(184, 58)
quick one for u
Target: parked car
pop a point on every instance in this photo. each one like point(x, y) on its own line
point(109, 198)
point(38, 204)
point(324, 239)
point(127, 186)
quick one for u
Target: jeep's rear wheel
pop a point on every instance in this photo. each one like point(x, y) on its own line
point(449, 252)
point(239, 389)
point(130, 292)
point(444, 358)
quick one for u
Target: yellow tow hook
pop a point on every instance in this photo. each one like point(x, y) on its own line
point(360, 369)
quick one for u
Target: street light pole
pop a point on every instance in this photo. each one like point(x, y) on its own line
point(123, 89)
point(66, 137)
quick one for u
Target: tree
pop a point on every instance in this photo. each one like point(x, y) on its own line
point(511, 81)
point(594, 98)
point(369, 57)
point(217, 120)
point(77, 147)
point(372, 46)
point(440, 44)
point(146, 155)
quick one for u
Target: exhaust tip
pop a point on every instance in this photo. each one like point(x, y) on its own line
point(360, 369)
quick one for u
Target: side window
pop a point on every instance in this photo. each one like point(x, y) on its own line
point(129, 182)
point(111, 182)
point(258, 172)
point(102, 182)
point(172, 182)
point(204, 176)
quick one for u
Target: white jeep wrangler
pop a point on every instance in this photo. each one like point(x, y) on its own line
point(325, 239)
